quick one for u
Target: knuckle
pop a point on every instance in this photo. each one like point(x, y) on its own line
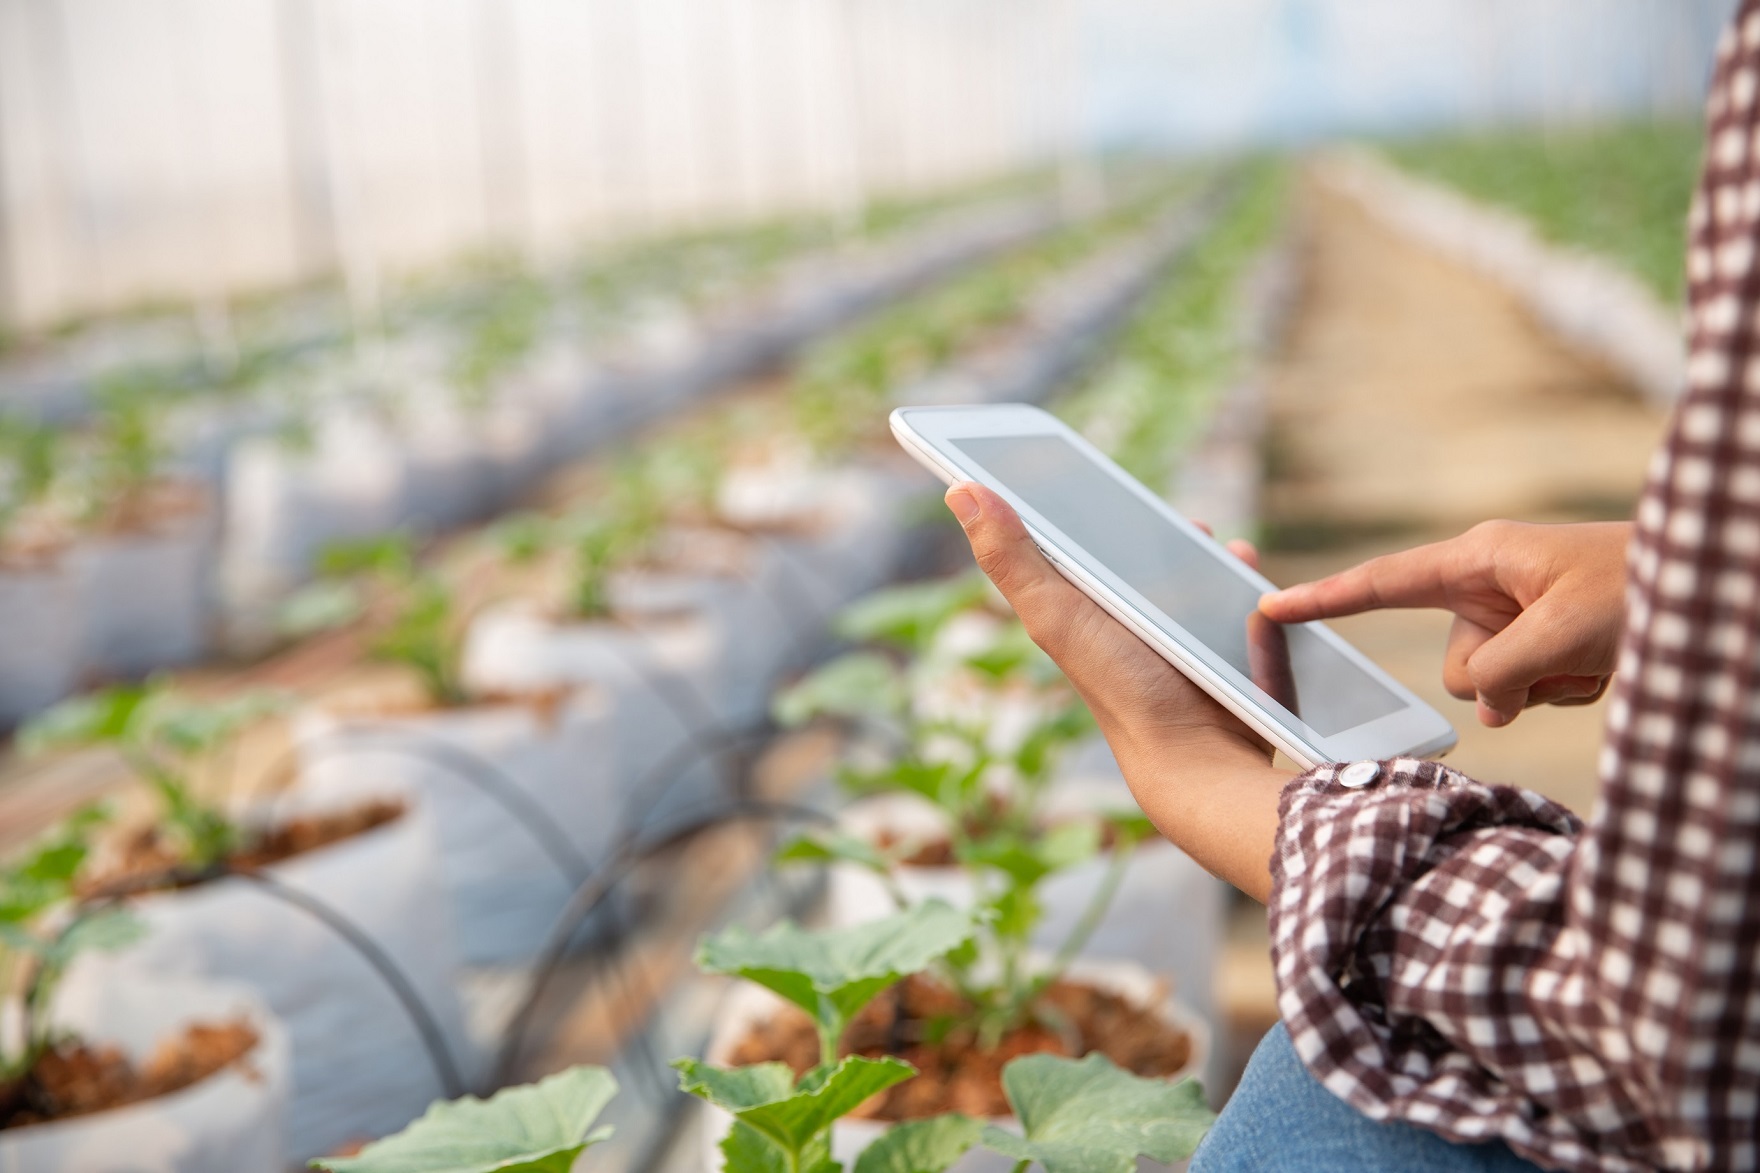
point(1458, 682)
point(994, 562)
point(1494, 532)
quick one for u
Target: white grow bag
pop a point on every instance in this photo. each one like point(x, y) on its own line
point(360, 1069)
point(447, 477)
point(231, 1122)
point(40, 632)
point(285, 504)
point(840, 531)
point(505, 891)
point(660, 680)
point(143, 596)
point(746, 1005)
point(1166, 915)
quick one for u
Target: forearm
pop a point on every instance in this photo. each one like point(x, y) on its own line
point(1215, 800)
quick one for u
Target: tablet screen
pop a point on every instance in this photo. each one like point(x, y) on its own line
point(1186, 580)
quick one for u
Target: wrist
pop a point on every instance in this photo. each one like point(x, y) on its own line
point(1192, 753)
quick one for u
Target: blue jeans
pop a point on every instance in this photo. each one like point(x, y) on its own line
point(1280, 1119)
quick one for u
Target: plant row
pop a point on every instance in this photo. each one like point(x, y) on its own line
point(129, 542)
point(541, 726)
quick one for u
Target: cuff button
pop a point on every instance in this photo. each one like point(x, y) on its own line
point(1359, 774)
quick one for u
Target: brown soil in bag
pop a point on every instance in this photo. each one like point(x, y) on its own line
point(954, 1075)
point(77, 1079)
point(145, 859)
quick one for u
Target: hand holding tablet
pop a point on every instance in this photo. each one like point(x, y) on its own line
point(1300, 687)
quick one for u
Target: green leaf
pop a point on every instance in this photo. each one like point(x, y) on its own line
point(523, 536)
point(792, 1119)
point(322, 606)
point(1028, 859)
point(910, 615)
point(746, 1150)
point(738, 1088)
point(97, 718)
point(102, 932)
point(44, 877)
point(832, 974)
point(149, 715)
point(861, 684)
point(920, 1146)
point(1036, 754)
point(1014, 652)
point(1130, 828)
point(392, 556)
point(1090, 1116)
point(945, 784)
point(538, 1128)
point(189, 726)
point(834, 847)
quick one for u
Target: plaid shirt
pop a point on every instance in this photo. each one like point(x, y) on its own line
point(1476, 960)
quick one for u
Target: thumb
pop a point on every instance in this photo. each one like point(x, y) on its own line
point(1007, 554)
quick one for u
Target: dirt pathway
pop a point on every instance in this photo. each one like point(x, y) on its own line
point(1411, 400)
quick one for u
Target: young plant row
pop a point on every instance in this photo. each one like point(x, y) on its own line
point(113, 552)
point(460, 819)
point(1186, 346)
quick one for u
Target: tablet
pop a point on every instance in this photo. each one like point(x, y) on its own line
point(1303, 688)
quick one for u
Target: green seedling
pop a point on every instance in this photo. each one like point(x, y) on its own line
point(40, 936)
point(162, 735)
point(415, 613)
point(537, 1128)
point(831, 975)
point(29, 463)
point(781, 1124)
point(1005, 844)
point(909, 617)
point(1076, 1116)
point(848, 381)
point(130, 451)
point(1183, 347)
point(620, 528)
point(500, 337)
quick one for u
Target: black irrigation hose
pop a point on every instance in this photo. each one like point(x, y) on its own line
point(790, 583)
point(587, 898)
point(689, 707)
point(672, 769)
point(421, 1017)
point(479, 773)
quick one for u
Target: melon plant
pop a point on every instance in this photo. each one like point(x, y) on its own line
point(162, 735)
point(1000, 836)
point(782, 1124)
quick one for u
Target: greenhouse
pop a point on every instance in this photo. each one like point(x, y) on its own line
point(483, 688)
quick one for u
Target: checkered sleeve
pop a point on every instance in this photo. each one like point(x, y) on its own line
point(1469, 957)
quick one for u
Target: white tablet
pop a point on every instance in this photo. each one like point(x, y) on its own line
point(1303, 688)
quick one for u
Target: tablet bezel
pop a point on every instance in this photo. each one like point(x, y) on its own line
point(930, 434)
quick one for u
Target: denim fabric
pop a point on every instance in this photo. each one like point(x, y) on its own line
point(1280, 1120)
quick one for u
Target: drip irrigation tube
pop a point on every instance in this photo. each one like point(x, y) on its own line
point(474, 771)
point(587, 898)
point(421, 1017)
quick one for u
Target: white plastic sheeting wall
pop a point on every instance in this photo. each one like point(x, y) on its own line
point(184, 150)
point(1207, 73)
